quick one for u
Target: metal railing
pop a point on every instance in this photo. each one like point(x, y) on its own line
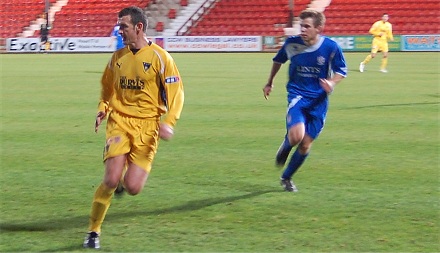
point(196, 17)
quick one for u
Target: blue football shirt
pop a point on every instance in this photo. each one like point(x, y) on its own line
point(119, 41)
point(310, 63)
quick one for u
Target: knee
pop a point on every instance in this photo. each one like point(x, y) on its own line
point(133, 189)
point(305, 146)
point(134, 179)
point(295, 137)
point(294, 141)
point(111, 183)
point(304, 149)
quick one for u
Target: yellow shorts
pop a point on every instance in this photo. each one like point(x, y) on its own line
point(138, 138)
point(379, 46)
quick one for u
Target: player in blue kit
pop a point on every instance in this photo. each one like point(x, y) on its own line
point(117, 37)
point(317, 64)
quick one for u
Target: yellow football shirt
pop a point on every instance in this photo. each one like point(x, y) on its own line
point(146, 84)
point(382, 31)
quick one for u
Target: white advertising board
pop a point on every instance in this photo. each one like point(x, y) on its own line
point(64, 45)
point(213, 43)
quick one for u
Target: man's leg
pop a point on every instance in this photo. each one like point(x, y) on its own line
point(296, 135)
point(298, 158)
point(365, 61)
point(368, 58)
point(103, 197)
point(120, 189)
point(283, 152)
point(383, 65)
point(134, 179)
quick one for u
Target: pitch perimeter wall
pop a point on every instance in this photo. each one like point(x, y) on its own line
point(429, 42)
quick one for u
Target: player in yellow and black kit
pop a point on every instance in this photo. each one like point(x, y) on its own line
point(382, 32)
point(140, 84)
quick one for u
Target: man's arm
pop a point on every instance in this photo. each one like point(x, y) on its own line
point(267, 89)
point(106, 92)
point(374, 30)
point(338, 67)
point(174, 93)
point(329, 84)
point(390, 33)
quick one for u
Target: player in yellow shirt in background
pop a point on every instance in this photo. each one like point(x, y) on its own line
point(142, 95)
point(382, 32)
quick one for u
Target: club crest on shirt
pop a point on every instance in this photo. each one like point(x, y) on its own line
point(146, 65)
point(320, 60)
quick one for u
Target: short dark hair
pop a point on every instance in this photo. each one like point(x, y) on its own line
point(137, 15)
point(318, 17)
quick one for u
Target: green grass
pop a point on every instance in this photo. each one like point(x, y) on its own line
point(371, 183)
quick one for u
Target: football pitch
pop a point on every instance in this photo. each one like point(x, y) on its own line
point(370, 184)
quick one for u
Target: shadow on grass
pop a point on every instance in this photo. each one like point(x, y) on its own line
point(388, 105)
point(75, 247)
point(72, 222)
point(93, 72)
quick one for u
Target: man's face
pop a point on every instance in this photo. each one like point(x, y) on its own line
point(308, 30)
point(385, 18)
point(127, 30)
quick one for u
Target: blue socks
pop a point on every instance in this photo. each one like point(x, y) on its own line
point(295, 162)
point(283, 153)
point(286, 143)
point(285, 146)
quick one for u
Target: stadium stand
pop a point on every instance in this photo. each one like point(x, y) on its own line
point(250, 17)
point(83, 18)
point(227, 17)
point(161, 13)
point(344, 17)
point(12, 22)
point(355, 17)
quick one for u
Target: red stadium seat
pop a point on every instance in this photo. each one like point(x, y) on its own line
point(403, 15)
point(159, 26)
point(246, 17)
point(172, 14)
point(344, 17)
point(99, 16)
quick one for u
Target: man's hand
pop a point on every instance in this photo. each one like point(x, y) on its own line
point(327, 85)
point(165, 132)
point(267, 89)
point(99, 118)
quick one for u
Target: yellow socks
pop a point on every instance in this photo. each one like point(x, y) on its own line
point(367, 59)
point(100, 205)
point(384, 64)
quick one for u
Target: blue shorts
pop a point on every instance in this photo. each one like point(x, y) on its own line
point(310, 111)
